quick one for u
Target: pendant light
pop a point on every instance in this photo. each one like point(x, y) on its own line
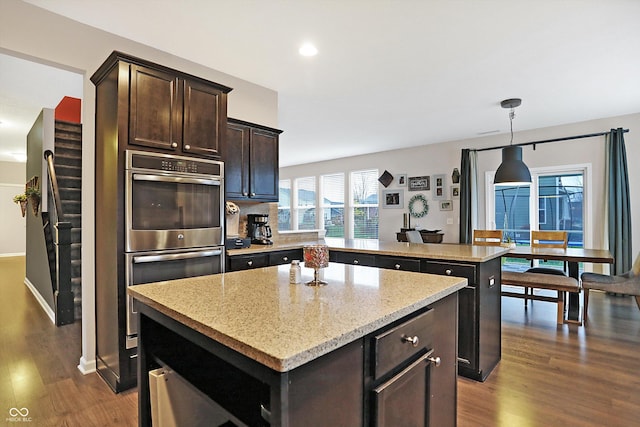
point(512, 170)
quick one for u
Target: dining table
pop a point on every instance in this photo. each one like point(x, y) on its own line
point(573, 257)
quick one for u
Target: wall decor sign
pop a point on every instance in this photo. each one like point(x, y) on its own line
point(455, 191)
point(438, 187)
point(446, 205)
point(401, 179)
point(393, 199)
point(385, 179)
point(419, 183)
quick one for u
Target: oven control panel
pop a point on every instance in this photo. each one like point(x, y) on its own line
point(169, 163)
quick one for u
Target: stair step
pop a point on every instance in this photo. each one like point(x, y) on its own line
point(68, 126)
point(76, 235)
point(75, 219)
point(71, 207)
point(66, 181)
point(74, 194)
point(68, 170)
point(67, 159)
point(67, 144)
point(76, 268)
point(76, 250)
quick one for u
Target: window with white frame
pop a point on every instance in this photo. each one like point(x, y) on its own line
point(364, 204)
point(284, 205)
point(305, 203)
point(332, 203)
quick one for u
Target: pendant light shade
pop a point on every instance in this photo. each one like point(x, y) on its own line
point(512, 170)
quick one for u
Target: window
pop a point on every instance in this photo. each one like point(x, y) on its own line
point(332, 203)
point(306, 203)
point(284, 205)
point(555, 201)
point(364, 204)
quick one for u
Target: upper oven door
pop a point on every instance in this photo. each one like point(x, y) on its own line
point(172, 211)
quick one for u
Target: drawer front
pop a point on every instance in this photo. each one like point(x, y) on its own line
point(355, 259)
point(246, 262)
point(396, 263)
point(393, 347)
point(285, 257)
point(451, 269)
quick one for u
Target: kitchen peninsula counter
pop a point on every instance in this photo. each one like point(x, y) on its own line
point(450, 252)
point(274, 332)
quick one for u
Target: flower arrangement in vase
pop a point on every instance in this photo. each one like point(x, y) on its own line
point(21, 199)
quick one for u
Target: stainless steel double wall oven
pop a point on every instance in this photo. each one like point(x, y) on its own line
point(174, 221)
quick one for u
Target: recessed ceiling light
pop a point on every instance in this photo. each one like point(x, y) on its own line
point(308, 49)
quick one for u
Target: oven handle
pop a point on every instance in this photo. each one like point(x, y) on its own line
point(170, 257)
point(178, 179)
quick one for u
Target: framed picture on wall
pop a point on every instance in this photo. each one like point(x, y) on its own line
point(393, 199)
point(419, 183)
point(455, 191)
point(401, 180)
point(446, 205)
point(438, 187)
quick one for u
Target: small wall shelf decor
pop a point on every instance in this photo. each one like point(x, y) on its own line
point(418, 206)
point(419, 183)
point(393, 199)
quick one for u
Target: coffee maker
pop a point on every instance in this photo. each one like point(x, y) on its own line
point(258, 229)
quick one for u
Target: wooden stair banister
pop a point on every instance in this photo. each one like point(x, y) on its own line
point(63, 295)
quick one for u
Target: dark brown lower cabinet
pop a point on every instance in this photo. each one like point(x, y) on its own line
point(382, 379)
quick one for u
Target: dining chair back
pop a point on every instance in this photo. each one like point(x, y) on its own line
point(414, 236)
point(487, 237)
point(549, 239)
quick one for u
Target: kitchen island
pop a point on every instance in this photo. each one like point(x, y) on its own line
point(354, 352)
point(479, 329)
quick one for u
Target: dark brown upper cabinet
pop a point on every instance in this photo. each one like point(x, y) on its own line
point(251, 162)
point(170, 111)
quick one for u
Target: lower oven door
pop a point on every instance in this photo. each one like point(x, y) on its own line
point(148, 267)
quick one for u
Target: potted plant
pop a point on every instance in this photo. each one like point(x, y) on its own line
point(21, 199)
point(33, 194)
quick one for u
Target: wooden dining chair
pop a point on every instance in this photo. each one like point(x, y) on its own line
point(487, 237)
point(547, 239)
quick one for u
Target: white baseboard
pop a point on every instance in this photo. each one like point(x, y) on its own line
point(12, 255)
point(45, 307)
point(87, 366)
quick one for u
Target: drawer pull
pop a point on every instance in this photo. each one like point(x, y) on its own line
point(285, 259)
point(174, 145)
point(397, 266)
point(187, 147)
point(249, 263)
point(414, 340)
point(435, 360)
point(448, 272)
point(355, 261)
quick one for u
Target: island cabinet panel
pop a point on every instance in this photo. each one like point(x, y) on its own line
point(246, 262)
point(285, 257)
point(479, 332)
point(352, 258)
point(251, 162)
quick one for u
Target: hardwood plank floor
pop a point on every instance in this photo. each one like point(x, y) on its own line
point(548, 376)
point(38, 366)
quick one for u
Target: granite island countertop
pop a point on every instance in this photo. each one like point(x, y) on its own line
point(283, 326)
point(441, 251)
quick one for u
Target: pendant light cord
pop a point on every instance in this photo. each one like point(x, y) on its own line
point(512, 114)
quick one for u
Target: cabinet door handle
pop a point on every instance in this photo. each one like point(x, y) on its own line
point(355, 261)
point(187, 147)
point(285, 259)
point(435, 360)
point(448, 272)
point(249, 263)
point(414, 340)
point(397, 266)
point(174, 145)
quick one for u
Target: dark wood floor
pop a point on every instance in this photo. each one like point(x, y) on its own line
point(548, 376)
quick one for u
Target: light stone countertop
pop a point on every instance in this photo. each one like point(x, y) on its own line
point(441, 251)
point(283, 326)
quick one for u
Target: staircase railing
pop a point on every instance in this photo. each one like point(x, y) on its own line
point(63, 296)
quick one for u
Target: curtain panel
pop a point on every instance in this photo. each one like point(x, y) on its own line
point(468, 194)
point(619, 206)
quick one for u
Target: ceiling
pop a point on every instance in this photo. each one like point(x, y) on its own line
point(392, 74)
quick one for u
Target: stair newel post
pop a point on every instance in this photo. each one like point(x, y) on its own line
point(63, 295)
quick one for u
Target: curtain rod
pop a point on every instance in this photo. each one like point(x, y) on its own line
point(566, 138)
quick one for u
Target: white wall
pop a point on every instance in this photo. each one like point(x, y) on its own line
point(442, 158)
point(12, 224)
point(32, 33)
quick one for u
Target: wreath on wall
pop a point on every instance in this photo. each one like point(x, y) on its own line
point(419, 210)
